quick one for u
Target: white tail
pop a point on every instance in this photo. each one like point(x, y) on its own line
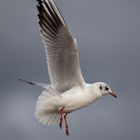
point(45, 112)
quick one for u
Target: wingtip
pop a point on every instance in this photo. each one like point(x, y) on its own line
point(19, 79)
point(28, 82)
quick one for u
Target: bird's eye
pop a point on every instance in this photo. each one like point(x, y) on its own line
point(106, 88)
point(101, 87)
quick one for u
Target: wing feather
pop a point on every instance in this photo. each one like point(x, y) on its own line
point(60, 47)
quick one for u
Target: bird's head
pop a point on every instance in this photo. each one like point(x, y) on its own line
point(103, 89)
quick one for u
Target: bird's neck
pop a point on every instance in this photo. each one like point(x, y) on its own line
point(94, 91)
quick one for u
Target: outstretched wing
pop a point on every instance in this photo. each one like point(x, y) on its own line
point(61, 48)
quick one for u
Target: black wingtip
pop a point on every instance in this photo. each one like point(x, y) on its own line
point(19, 79)
point(28, 82)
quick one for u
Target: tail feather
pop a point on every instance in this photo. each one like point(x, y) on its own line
point(51, 119)
point(46, 112)
point(56, 119)
point(43, 108)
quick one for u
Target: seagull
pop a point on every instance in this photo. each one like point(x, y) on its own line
point(68, 90)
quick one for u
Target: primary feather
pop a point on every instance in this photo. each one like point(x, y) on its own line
point(60, 47)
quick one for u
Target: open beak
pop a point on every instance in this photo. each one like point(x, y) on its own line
point(113, 94)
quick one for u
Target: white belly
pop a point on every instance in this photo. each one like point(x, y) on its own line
point(74, 99)
point(75, 102)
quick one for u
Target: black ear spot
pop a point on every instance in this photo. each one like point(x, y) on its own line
point(100, 87)
point(106, 88)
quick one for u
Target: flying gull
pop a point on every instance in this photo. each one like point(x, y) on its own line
point(68, 90)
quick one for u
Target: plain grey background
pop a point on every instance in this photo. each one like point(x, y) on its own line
point(108, 34)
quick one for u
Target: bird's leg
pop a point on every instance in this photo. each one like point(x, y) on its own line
point(61, 117)
point(66, 124)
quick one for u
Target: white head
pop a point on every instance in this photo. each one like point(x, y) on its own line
point(103, 89)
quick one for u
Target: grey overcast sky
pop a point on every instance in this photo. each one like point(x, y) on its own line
point(108, 34)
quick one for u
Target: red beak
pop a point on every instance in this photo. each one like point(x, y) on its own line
point(113, 94)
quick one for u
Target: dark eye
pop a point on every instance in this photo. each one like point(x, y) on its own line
point(101, 87)
point(106, 88)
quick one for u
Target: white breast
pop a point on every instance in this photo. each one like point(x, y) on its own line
point(77, 98)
